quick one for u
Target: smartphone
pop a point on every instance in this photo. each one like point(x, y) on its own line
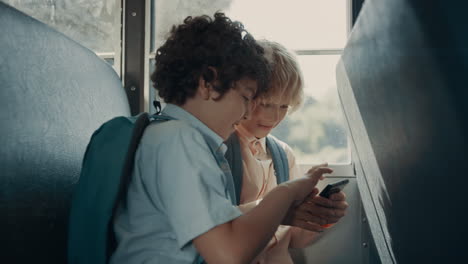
point(333, 188)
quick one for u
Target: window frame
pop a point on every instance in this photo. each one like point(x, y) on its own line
point(117, 54)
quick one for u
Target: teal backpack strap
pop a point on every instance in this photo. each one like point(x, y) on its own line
point(140, 121)
point(234, 157)
point(161, 117)
point(280, 160)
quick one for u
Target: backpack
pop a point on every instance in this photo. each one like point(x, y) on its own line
point(105, 175)
point(234, 158)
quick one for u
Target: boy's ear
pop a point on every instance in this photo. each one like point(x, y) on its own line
point(204, 88)
point(210, 74)
point(205, 84)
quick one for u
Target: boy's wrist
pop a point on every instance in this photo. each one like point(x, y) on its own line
point(287, 190)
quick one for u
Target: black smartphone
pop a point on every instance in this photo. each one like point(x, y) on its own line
point(333, 188)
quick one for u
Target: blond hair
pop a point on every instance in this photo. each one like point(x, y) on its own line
point(287, 83)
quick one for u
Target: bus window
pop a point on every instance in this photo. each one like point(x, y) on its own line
point(317, 32)
point(94, 24)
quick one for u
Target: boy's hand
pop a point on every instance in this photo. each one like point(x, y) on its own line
point(299, 216)
point(317, 211)
point(302, 187)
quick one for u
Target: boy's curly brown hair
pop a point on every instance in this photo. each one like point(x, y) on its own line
point(200, 44)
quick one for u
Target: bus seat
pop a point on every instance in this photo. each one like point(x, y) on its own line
point(54, 93)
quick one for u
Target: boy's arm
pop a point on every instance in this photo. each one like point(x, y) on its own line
point(242, 239)
point(249, 206)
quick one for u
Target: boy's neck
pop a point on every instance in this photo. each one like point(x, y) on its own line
point(194, 107)
point(201, 109)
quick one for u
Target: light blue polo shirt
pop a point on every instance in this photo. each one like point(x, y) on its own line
point(181, 187)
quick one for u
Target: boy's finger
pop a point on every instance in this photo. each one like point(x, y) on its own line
point(318, 166)
point(320, 171)
point(308, 226)
point(310, 197)
point(315, 177)
point(339, 196)
point(313, 193)
point(306, 217)
point(327, 203)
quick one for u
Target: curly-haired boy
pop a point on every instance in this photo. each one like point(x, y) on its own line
point(180, 202)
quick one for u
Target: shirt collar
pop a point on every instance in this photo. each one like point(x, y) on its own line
point(214, 141)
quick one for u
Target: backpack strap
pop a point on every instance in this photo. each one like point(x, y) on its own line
point(280, 159)
point(140, 121)
point(161, 117)
point(234, 157)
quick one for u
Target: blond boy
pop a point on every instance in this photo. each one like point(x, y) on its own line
point(283, 96)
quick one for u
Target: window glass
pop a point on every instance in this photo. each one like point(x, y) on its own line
point(171, 12)
point(317, 131)
point(297, 24)
point(95, 24)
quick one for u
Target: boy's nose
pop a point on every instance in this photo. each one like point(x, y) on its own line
point(276, 114)
point(248, 114)
point(273, 114)
point(249, 110)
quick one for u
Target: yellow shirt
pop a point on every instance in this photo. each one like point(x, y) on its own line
point(258, 179)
